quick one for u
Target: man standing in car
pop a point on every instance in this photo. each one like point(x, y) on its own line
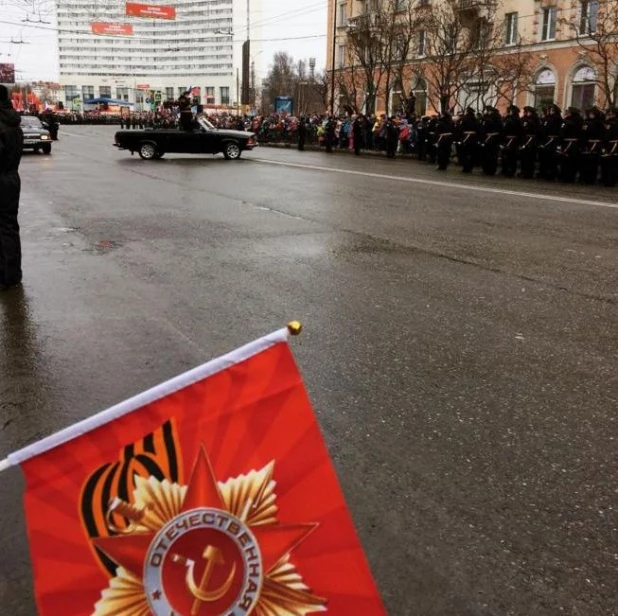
point(11, 143)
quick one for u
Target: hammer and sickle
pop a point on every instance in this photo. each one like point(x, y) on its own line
point(202, 594)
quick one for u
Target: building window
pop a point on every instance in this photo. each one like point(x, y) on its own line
point(169, 94)
point(71, 92)
point(421, 43)
point(588, 16)
point(512, 22)
point(224, 93)
point(105, 91)
point(341, 56)
point(87, 93)
point(342, 16)
point(122, 94)
point(181, 91)
point(548, 32)
point(583, 89)
point(419, 93)
point(480, 34)
point(210, 95)
point(401, 5)
point(544, 89)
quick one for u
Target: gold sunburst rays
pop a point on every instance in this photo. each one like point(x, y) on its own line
point(123, 597)
point(251, 497)
point(285, 594)
point(160, 501)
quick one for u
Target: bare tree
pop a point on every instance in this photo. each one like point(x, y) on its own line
point(320, 84)
point(447, 49)
point(594, 26)
point(514, 73)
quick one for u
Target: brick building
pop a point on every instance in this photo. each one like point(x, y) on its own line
point(528, 52)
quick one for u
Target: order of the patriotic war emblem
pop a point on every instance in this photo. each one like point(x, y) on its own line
point(207, 548)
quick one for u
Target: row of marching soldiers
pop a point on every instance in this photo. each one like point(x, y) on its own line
point(554, 146)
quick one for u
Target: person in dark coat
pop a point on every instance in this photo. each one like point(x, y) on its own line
point(302, 133)
point(491, 130)
point(330, 134)
point(11, 144)
point(445, 129)
point(593, 134)
point(512, 132)
point(527, 150)
point(391, 137)
point(609, 158)
point(467, 136)
point(186, 115)
point(570, 144)
point(358, 130)
point(549, 139)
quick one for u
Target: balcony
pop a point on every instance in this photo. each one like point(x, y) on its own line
point(471, 10)
point(363, 22)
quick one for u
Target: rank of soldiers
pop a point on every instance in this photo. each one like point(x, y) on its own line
point(568, 146)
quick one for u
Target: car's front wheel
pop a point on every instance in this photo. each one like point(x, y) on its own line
point(231, 151)
point(46, 147)
point(148, 151)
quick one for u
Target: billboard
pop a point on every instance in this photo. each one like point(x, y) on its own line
point(284, 105)
point(108, 29)
point(150, 11)
point(7, 73)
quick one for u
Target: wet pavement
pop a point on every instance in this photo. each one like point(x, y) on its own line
point(459, 347)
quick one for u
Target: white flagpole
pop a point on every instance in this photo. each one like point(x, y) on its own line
point(156, 393)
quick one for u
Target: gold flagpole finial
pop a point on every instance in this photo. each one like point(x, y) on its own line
point(295, 327)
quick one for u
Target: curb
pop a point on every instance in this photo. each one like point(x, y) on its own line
point(317, 148)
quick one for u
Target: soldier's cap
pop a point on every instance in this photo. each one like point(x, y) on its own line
point(513, 109)
point(555, 108)
point(573, 110)
point(489, 109)
point(470, 110)
point(529, 109)
point(4, 94)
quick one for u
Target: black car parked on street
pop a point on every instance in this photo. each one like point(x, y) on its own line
point(36, 136)
point(204, 138)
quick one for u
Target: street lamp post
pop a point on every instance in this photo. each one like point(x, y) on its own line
point(332, 69)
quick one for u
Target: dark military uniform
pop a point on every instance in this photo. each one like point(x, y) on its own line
point(512, 133)
point(358, 129)
point(609, 158)
point(186, 115)
point(549, 139)
point(430, 140)
point(593, 134)
point(570, 145)
point(11, 144)
point(527, 149)
point(444, 140)
point(392, 137)
point(491, 130)
point(467, 138)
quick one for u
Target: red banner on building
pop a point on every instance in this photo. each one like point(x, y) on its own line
point(109, 29)
point(212, 494)
point(150, 11)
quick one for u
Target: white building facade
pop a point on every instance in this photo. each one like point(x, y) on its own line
point(150, 60)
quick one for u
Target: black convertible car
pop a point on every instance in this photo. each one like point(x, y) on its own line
point(203, 139)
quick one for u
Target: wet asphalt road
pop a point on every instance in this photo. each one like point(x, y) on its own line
point(460, 348)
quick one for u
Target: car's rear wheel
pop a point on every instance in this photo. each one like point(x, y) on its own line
point(231, 150)
point(46, 148)
point(147, 151)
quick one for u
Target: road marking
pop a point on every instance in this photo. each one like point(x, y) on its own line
point(496, 191)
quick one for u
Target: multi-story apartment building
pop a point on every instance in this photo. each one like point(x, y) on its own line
point(456, 53)
point(104, 51)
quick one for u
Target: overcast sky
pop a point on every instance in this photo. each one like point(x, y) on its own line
point(37, 59)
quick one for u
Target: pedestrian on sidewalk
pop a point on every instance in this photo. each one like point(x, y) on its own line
point(11, 144)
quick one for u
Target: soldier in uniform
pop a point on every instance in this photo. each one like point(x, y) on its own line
point(570, 142)
point(490, 133)
point(593, 134)
point(609, 158)
point(430, 140)
point(527, 150)
point(444, 140)
point(467, 138)
point(391, 136)
point(549, 139)
point(512, 130)
point(358, 129)
point(186, 115)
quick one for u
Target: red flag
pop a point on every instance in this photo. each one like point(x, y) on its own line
point(212, 494)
